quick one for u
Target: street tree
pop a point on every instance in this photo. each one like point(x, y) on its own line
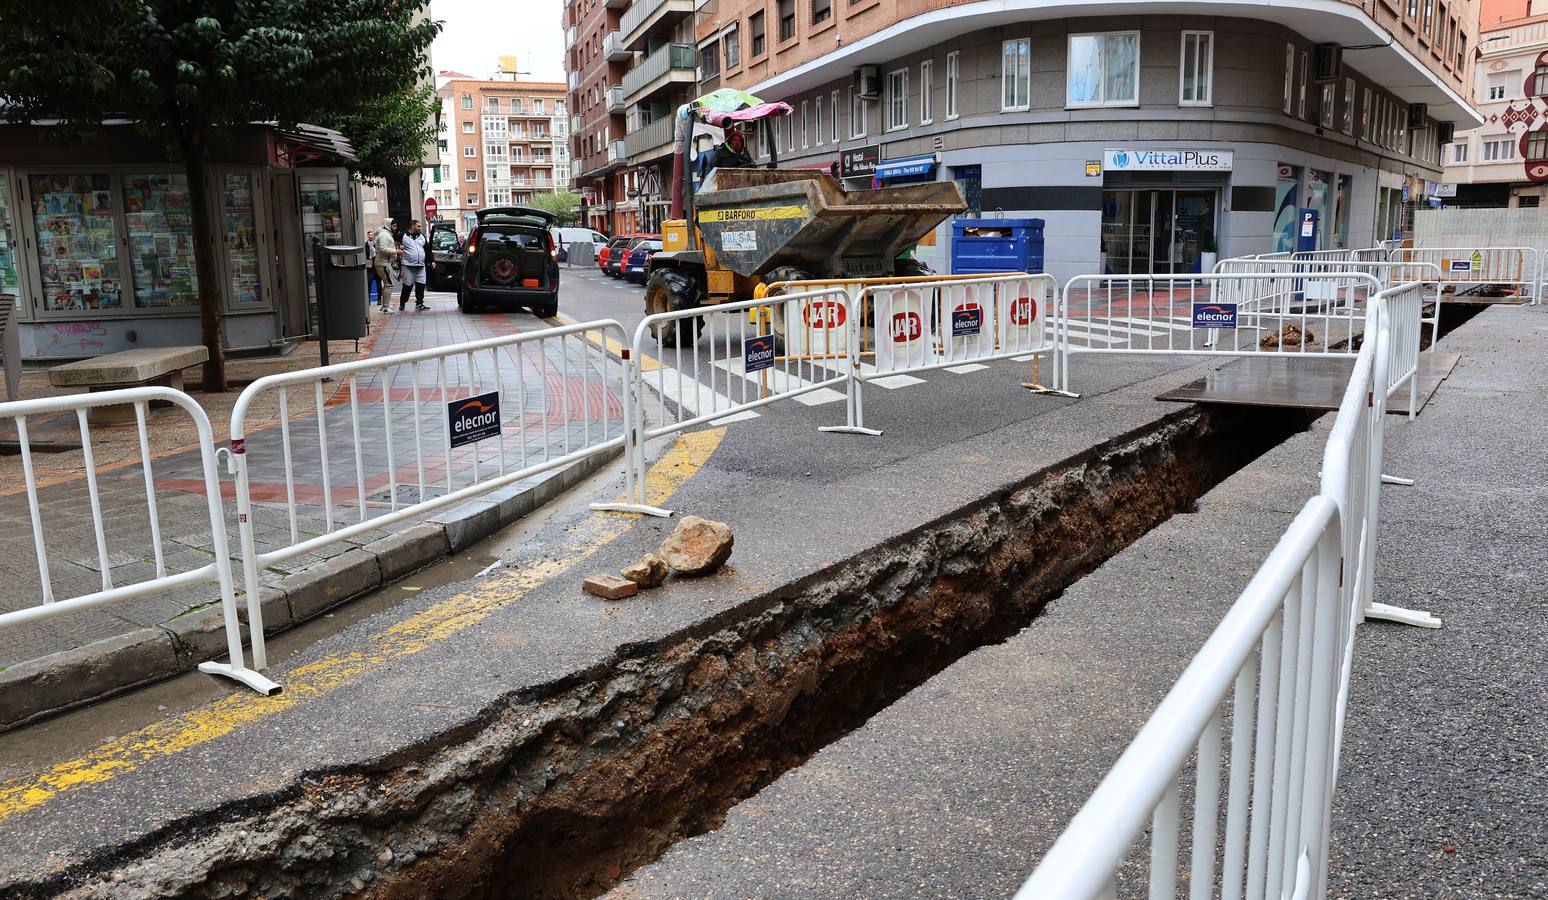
point(561, 203)
point(191, 73)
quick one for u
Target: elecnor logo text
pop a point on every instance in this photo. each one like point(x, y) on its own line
point(1214, 315)
point(473, 419)
point(758, 353)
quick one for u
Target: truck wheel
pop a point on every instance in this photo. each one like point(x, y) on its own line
point(669, 291)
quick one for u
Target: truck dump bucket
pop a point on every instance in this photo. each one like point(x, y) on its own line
point(756, 220)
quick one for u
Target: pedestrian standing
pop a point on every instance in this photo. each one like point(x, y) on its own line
point(385, 261)
point(412, 266)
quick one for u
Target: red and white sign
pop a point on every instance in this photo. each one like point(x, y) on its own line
point(430, 207)
point(1021, 326)
point(818, 326)
point(902, 333)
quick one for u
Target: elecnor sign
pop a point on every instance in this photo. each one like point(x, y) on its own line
point(473, 419)
point(1214, 315)
point(758, 353)
point(967, 320)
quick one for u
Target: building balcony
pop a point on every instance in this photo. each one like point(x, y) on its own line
point(671, 65)
point(651, 17)
point(613, 48)
point(574, 80)
point(575, 124)
point(616, 4)
point(616, 154)
point(650, 140)
point(569, 37)
point(615, 99)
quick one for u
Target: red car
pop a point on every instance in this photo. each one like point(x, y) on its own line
point(604, 252)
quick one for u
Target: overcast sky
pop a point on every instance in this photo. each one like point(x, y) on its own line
point(476, 32)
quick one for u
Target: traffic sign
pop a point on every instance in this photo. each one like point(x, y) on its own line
point(430, 207)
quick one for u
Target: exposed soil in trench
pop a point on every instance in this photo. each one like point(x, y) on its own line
point(562, 794)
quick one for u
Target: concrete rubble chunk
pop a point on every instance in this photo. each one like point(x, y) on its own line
point(697, 546)
point(609, 587)
point(649, 572)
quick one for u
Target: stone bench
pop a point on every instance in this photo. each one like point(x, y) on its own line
point(161, 366)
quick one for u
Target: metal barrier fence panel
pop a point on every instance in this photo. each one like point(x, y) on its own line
point(1387, 274)
point(1267, 783)
point(1468, 268)
point(366, 445)
point(126, 574)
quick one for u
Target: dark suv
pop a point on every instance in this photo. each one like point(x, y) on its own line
point(445, 257)
point(511, 260)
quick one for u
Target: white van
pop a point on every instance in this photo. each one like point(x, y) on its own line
point(564, 237)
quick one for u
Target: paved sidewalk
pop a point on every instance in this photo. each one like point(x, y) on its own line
point(555, 399)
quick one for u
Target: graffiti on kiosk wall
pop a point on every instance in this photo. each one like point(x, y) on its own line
point(76, 336)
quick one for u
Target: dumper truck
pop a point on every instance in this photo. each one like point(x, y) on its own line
point(745, 227)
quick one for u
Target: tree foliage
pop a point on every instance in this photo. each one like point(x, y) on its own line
point(190, 73)
point(561, 203)
point(388, 133)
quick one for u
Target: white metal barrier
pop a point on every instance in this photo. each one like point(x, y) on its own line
point(1467, 268)
point(161, 579)
point(1216, 314)
point(1283, 653)
point(1386, 272)
point(454, 423)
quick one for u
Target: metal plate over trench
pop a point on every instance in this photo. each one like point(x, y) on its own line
point(1302, 382)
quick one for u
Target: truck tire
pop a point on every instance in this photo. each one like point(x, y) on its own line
point(669, 290)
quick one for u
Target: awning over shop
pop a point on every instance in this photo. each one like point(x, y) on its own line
point(906, 167)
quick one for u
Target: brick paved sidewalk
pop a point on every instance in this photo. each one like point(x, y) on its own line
point(555, 397)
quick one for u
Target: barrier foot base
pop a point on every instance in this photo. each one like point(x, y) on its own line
point(850, 429)
point(640, 508)
point(1036, 388)
point(1416, 617)
point(241, 674)
point(1393, 479)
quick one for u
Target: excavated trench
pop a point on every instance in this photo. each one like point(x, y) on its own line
point(561, 792)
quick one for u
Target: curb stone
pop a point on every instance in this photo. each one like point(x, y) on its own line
point(59, 682)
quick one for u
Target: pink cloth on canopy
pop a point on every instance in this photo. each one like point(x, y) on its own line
point(749, 114)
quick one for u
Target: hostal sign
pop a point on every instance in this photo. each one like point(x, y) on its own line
point(1135, 160)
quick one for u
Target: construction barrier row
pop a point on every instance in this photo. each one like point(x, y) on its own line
point(330, 455)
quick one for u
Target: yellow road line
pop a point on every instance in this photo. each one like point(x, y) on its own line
point(317, 679)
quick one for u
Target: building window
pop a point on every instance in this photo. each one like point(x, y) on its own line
point(467, 127)
point(537, 106)
point(790, 129)
point(709, 60)
point(1300, 108)
point(856, 115)
point(492, 104)
point(1198, 64)
point(1016, 74)
point(897, 99)
point(1429, 7)
point(1527, 201)
point(927, 92)
point(818, 120)
point(1497, 87)
point(1349, 104)
point(445, 173)
point(1537, 145)
point(733, 41)
point(1104, 69)
point(470, 175)
point(755, 30)
point(470, 150)
point(953, 78)
point(1365, 116)
point(822, 10)
point(786, 19)
point(1540, 81)
point(1289, 77)
point(1461, 49)
point(467, 101)
point(472, 199)
point(1498, 151)
point(1413, 9)
point(1458, 154)
point(835, 114)
point(1328, 102)
point(806, 124)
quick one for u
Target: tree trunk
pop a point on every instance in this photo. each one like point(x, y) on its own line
point(206, 246)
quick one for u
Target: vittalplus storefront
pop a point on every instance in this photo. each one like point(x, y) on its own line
point(96, 239)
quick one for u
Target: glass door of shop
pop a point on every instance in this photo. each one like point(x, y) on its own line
point(1158, 232)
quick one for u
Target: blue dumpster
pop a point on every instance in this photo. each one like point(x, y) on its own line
point(985, 246)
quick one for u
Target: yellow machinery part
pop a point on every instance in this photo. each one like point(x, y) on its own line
point(674, 235)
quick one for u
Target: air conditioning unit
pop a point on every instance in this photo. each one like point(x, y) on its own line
point(1417, 114)
point(868, 83)
point(1329, 65)
point(1445, 131)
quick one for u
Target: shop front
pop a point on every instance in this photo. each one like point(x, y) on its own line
point(96, 240)
point(1161, 210)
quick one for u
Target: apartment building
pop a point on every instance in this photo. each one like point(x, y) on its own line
point(502, 141)
point(1146, 141)
point(1504, 162)
point(631, 65)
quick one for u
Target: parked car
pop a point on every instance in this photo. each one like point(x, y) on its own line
point(445, 257)
point(568, 236)
point(617, 244)
point(511, 260)
point(620, 256)
point(636, 267)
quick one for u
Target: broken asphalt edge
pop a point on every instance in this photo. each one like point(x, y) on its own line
point(51, 685)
